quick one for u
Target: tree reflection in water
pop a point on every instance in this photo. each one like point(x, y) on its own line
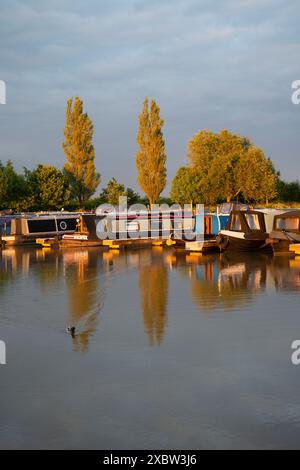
point(216, 282)
point(85, 293)
point(154, 288)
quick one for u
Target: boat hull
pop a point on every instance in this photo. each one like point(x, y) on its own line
point(231, 243)
point(281, 242)
point(281, 247)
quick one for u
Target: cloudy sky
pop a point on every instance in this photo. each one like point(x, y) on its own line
point(209, 64)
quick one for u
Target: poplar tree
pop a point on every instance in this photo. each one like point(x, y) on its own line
point(151, 157)
point(79, 151)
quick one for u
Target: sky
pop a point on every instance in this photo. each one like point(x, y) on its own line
point(208, 64)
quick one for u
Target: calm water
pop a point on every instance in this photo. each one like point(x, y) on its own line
point(172, 351)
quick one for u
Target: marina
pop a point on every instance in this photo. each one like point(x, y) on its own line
point(159, 362)
point(149, 229)
point(233, 227)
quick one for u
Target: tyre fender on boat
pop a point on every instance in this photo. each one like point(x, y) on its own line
point(222, 242)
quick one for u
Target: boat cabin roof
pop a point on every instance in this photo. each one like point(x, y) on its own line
point(227, 207)
point(287, 222)
point(293, 213)
point(170, 213)
point(262, 220)
point(246, 221)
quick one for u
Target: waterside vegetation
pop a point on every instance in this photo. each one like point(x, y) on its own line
point(220, 167)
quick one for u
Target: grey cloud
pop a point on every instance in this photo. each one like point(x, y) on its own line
point(209, 65)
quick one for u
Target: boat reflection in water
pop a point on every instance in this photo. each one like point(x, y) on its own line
point(230, 281)
point(286, 274)
point(83, 278)
point(169, 350)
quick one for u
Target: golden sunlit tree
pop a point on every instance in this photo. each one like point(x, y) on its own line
point(186, 187)
point(257, 177)
point(151, 157)
point(229, 165)
point(215, 158)
point(79, 151)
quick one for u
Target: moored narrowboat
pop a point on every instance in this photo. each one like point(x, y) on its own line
point(285, 232)
point(153, 224)
point(85, 233)
point(247, 230)
point(26, 229)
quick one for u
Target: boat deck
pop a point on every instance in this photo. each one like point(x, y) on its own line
point(295, 248)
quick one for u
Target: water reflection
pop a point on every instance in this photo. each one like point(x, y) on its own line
point(213, 333)
point(286, 273)
point(77, 273)
point(85, 293)
point(152, 284)
point(154, 288)
point(228, 282)
point(81, 278)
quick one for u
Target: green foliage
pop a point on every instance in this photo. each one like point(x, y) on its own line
point(185, 188)
point(3, 186)
point(164, 200)
point(79, 151)
point(13, 188)
point(288, 191)
point(229, 165)
point(49, 188)
point(90, 205)
point(112, 192)
point(151, 157)
point(256, 177)
point(133, 197)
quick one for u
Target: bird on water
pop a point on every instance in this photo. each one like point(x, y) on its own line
point(71, 330)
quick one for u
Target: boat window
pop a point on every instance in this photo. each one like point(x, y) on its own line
point(41, 225)
point(236, 224)
point(289, 224)
point(253, 221)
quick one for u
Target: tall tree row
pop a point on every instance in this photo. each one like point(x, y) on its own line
point(221, 166)
point(79, 151)
point(151, 157)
